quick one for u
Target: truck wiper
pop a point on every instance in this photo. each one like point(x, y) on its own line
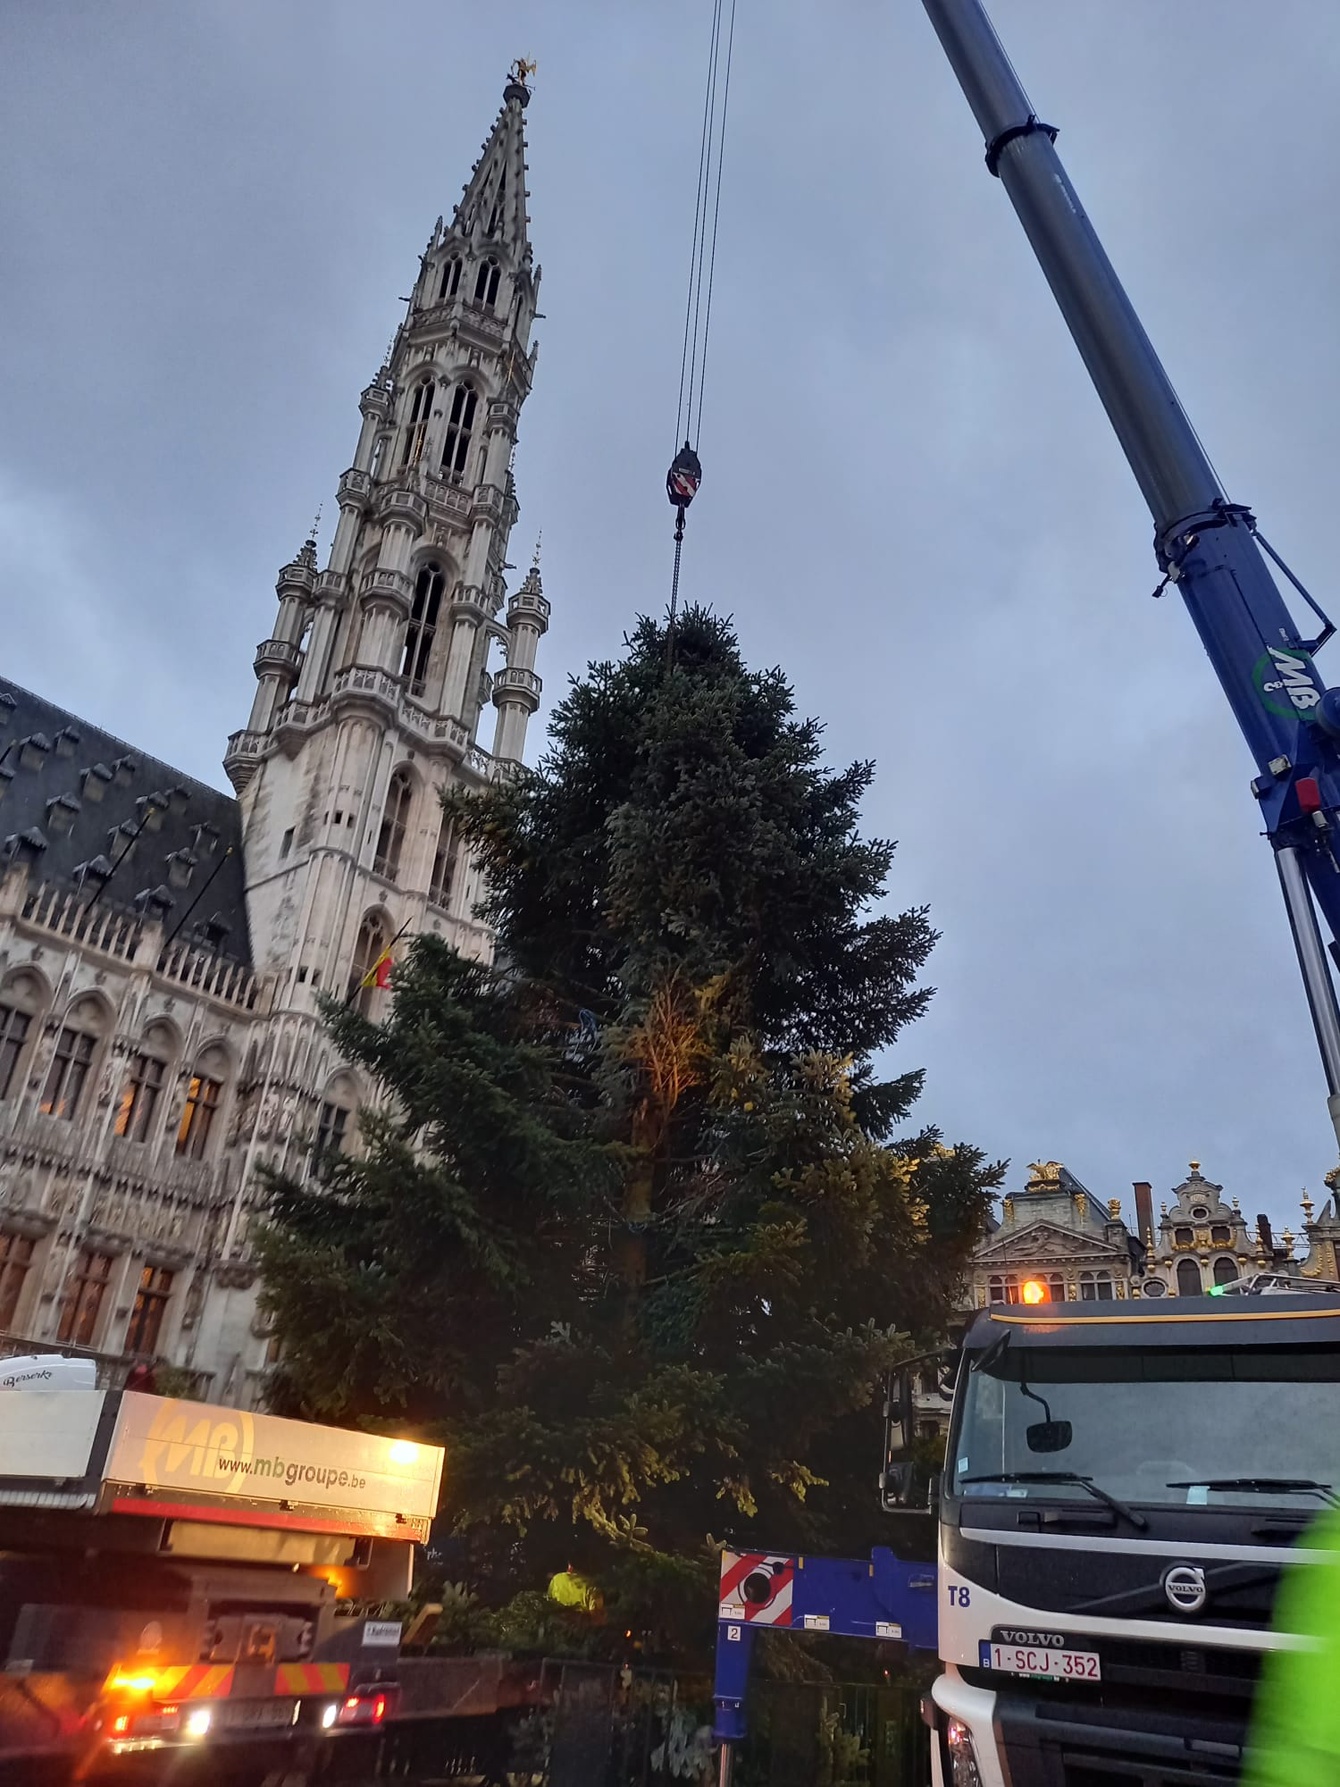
point(1137, 1520)
point(1302, 1485)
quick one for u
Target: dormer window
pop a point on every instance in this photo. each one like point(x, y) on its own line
point(486, 284)
point(416, 430)
point(456, 445)
point(422, 626)
point(451, 279)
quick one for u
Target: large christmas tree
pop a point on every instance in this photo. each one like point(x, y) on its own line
point(635, 1233)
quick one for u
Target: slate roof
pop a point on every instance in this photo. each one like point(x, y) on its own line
point(91, 810)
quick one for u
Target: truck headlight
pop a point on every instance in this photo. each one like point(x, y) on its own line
point(963, 1770)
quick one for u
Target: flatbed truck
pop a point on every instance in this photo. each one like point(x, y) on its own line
point(175, 1579)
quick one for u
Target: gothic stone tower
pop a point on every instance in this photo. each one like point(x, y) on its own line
point(372, 690)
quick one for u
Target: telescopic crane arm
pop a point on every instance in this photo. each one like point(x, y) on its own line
point(1207, 546)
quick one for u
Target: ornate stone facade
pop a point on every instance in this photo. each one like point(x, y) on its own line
point(1055, 1230)
point(163, 948)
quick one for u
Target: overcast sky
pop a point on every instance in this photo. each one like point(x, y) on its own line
point(912, 500)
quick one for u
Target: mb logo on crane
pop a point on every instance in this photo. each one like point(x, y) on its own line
point(1286, 682)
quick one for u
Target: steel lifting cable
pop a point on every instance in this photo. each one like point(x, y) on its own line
point(686, 472)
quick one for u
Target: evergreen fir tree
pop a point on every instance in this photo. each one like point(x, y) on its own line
point(659, 1247)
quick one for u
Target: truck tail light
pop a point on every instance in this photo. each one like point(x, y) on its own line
point(369, 1706)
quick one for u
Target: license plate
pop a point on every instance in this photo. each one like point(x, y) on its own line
point(257, 1715)
point(1027, 1659)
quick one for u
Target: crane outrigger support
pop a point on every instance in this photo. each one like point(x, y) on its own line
point(1208, 548)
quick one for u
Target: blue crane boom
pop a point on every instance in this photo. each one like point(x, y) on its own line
point(1208, 548)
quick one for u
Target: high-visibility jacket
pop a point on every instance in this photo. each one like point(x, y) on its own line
point(1295, 1733)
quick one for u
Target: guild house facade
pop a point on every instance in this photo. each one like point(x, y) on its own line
point(163, 945)
point(1056, 1233)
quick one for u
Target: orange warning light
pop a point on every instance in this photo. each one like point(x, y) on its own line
point(1034, 1291)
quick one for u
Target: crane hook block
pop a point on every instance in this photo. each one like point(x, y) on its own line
point(684, 477)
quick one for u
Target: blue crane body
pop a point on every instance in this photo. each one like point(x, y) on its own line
point(1208, 548)
point(879, 1597)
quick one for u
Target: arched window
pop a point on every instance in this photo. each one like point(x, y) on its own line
point(333, 1118)
point(21, 1002)
point(444, 866)
point(1188, 1278)
point(422, 626)
point(486, 284)
point(143, 1088)
point(395, 817)
point(373, 939)
point(416, 428)
point(1095, 1287)
point(1225, 1270)
point(204, 1095)
point(451, 279)
point(456, 445)
point(72, 1062)
point(1001, 1289)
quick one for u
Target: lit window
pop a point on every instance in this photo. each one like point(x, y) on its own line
point(420, 408)
point(395, 817)
point(456, 445)
point(14, 1025)
point(139, 1098)
point(150, 1306)
point(83, 1299)
point(422, 626)
point(444, 866)
point(202, 1105)
point(486, 284)
point(68, 1073)
point(16, 1255)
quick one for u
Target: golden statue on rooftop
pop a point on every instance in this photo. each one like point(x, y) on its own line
point(1045, 1175)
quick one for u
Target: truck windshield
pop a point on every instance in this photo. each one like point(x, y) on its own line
point(1193, 1428)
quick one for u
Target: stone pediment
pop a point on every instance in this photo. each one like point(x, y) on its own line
point(1043, 1241)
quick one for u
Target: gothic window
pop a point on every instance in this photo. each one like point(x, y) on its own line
point(331, 1123)
point(83, 1298)
point(203, 1096)
point(496, 214)
point(68, 1073)
point(1095, 1287)
point(451, 279)
point(146, 1319)
point(395, 817)
point(444, 866)
point(1188, 1279)
point(422, 626)
point(1225, 1271)
point(16, 1255)
point(486, 284)
point(373, 937)
point(139, 1098)
point(416, 429)
point(460, 423)
point(14, 1026)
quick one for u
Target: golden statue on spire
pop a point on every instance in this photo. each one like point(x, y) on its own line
point(522, 70)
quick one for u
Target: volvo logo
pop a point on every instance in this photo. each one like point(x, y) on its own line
point(1184, 1585)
